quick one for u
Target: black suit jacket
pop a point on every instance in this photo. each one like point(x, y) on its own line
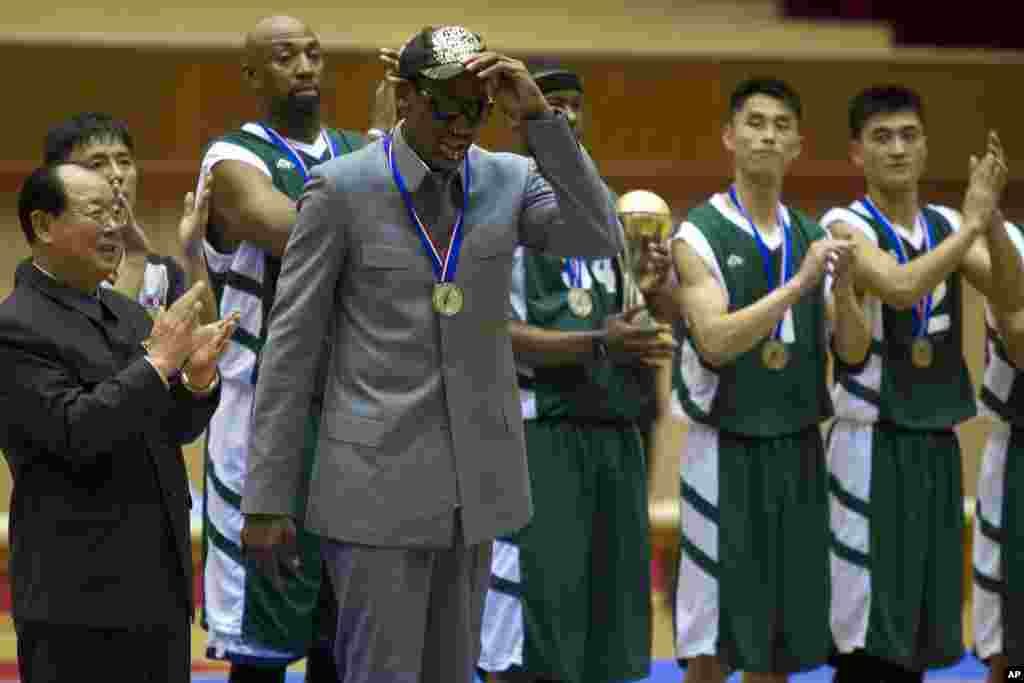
point(99, 522)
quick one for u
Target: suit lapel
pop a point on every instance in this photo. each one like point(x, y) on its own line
point(125, 333)
point(122, 333)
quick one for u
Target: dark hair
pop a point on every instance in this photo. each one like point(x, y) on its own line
point(43, 190)
point(772, 87)
point(82, 129)
point(551, 76)
point(882, 99)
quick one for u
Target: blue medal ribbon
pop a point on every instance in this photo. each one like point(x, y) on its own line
point(574, 269)
point(766, 254)
point(444, 270)
point(922, 310)
point(293, 154)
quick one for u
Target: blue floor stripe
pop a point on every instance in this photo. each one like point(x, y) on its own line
point(969, 669)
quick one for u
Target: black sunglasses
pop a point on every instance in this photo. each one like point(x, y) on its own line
point(447, 107)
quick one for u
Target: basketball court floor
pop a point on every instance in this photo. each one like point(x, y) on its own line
point(664, 668)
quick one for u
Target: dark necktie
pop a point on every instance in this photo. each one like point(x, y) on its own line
point(439, 202)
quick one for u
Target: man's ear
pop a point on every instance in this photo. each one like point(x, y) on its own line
point(857, 153)
point(729, 136)
point(41, 223)
point(405, 98)
point(250, 76)
point(798, 148)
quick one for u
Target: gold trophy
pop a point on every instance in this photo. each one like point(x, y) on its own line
point(646, 219)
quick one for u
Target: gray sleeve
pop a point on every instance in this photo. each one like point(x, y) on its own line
point(517, 293)
point(299, 321)
point(567, 209)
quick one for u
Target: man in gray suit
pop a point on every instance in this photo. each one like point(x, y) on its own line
point(421, 459)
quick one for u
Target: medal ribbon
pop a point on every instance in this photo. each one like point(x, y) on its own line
point(766, 254)
point(293, 154)
point(574, 269)
point(444, 270)
point(922, 310)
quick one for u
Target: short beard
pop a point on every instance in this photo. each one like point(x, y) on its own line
point(297, 112)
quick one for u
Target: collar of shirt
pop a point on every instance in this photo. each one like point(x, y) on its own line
point(315, 150)
point(44, 271)
point(90, 305)
point(412, 167)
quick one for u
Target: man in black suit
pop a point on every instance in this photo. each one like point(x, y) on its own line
point(95, 402)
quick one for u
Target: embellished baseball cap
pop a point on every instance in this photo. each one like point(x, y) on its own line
point(438, 53)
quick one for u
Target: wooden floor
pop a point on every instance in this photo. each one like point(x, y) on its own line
point(202, 667)
point(663, 647)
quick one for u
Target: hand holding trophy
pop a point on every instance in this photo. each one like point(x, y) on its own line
point(646, 222)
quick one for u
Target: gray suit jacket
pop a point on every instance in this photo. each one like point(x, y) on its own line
point(420, 411)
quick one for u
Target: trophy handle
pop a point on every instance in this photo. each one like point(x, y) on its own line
point(631, 294)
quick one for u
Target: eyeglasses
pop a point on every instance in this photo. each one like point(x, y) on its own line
point(101, 217)
point(447, 107)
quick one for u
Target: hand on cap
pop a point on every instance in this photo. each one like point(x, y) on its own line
point(510, 84)
point(389, 57)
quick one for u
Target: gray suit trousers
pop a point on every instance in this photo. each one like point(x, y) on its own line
point(408, 615)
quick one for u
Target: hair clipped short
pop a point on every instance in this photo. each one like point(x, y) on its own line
point(44, 191)
point(772, 87)
point(82, 129)
point(882, 99)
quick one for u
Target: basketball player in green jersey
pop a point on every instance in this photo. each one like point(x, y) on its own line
point(753, 584)
point(569, 599)
point(998, 542)
point(894, 459)
point(259, 172)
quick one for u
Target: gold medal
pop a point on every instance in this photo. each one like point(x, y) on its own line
point(580, 302)
point(921, 352)
point(774, 355)
point(447, 298)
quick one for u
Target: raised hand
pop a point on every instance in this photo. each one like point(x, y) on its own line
point(841, 266)
point(509, 84)
point(172, 339)
point(210, 342)
point(195, 217)
point(389, 57)
point(386, 111)
point(653, 268)
point(136, 243)
point(986, 184)
point(997, 220)
point(820, 258)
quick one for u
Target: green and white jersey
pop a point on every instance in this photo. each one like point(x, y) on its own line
point(744, 396)
point(1002, 393)
point(592, 391)
point(244, 281)
point(887, 387)
point(998, 536)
